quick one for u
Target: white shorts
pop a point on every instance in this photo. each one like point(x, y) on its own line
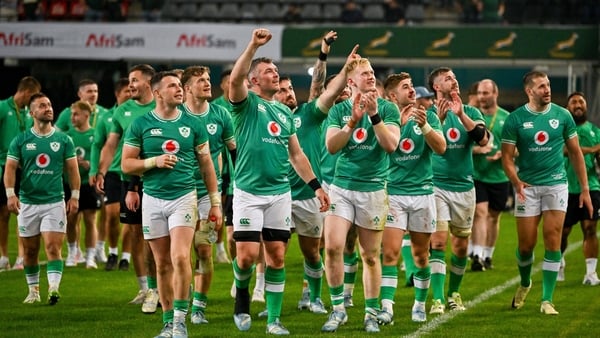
point(367, 210)
point(159, 216)
point(542, 198)
point(413, 213)
point(306, 217)
point(455, 208)
point(255, 212)
point(34, 219)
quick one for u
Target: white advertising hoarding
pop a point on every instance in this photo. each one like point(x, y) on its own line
point(140, 41)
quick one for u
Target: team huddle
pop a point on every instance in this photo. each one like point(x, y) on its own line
point(394, 172)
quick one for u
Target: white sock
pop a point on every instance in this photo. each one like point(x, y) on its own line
point(126, 256)
point(260, 281)
point(478, 250)
point(113, 251)
point(91, 253)
point(590, 265)
point(221, 247)
point(143, 282)
point(387, 305)
point(100, 245)
point(72, 247)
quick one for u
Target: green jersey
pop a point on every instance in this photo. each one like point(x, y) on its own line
point(42, 160)
point(589, 136)
point(328, 160)
point(222, 101)
point(362, 164)
point(307, 120)
point(539, 138)
point(181, 136)
point(410, 165)
point(122, 118)
point(83, 148)
point(453, 171)
point(64, 118)
point(227, 162)
point(263, 129)
point(217, 122)
point(483, 169)
point(101, 134)
point(13, 121)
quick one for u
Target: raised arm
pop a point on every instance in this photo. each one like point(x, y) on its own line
point(319, 69)
point(337, 84)
point(238, 91)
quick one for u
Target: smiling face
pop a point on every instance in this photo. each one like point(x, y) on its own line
point(41, 109)
point(199, 87)
point(286, 94)
point(445, 83)
point(361, 77)
point(577, 106)
point(538, 90)
point(139, 84)
point(403, 93)
point(264, 78)
point(169, 91)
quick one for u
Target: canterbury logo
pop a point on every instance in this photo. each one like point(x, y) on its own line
point(244, 221)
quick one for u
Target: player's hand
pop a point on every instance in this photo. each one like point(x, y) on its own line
point(443, 106)
point(586, 200)
point(520, 190)
point(132, 201)
point(353, 55)
point(323, 199)
point(167, 161)
point(215, 215)
point(261, 36)
point(92, 180)
point(328, 39)
point(72, 206)
point(456, 104)
point(14, 205)
point(419, 115)
point(100, 184)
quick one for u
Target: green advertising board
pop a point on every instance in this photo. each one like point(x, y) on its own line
point(560, 43)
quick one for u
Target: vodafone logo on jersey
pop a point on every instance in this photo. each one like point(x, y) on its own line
point(407, 146)
point(359, 135)
point(42, 160)
point(170, 147)
point(274, 128)
point(541, 138)
point(453, 134)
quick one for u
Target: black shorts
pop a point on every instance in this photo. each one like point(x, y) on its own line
point(112, 188)
point(3, 199)
point(228, 210)
point(496, 194)
point(88, 198)
point(575, 214)
point(127, 216)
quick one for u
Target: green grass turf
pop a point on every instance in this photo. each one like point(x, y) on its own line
point(94, 303)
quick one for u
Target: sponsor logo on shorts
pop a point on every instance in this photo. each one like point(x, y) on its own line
point(244, 221)
point(146, 229)
point(188, 218)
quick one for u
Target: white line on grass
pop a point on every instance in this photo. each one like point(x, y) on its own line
point(433, 324)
